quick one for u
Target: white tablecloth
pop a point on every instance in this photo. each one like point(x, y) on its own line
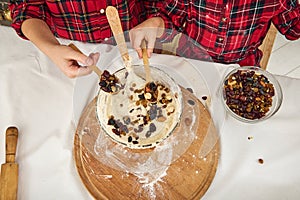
point(45, 106)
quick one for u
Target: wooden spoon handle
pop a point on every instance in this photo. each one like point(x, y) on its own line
point(74, 47)
point(146, 62)
point(11, 140)
point(96, 70)
point(116, 27)
point(92, 67)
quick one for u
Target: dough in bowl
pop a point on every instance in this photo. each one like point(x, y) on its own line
point(136, 116)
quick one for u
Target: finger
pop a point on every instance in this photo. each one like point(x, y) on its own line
point(82, 71)
point(139, 52)
point(131, 34)
point(89, 61)
point(94, 58)
point(150, 43)
point(79, 57)
point(73, 70)
point(136, 40)
point(149, 52)
point(150, 47)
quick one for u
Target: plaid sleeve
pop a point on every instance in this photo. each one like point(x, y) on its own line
point(26, 9)
point(288, 21)
point(165, 10)
point(154, 8)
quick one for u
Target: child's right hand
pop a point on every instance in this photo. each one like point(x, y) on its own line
point(71, 62)
point(67, 59)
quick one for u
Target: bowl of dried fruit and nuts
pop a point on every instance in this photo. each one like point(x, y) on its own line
point(251, 94)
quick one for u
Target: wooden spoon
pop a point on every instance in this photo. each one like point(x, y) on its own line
point(108, 82)
point(116, 27)
point(146, 62)
point(92, 67)
point(150, 86)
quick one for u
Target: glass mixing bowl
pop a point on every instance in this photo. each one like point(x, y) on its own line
point(130, 119)
point(250, 94)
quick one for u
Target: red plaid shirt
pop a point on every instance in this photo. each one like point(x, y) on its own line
point(82, 20)
point(230, 31)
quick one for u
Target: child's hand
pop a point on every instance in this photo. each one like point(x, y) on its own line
point(71, 62)
point(148, 30)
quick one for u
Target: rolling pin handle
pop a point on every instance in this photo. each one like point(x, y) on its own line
point(11, 140)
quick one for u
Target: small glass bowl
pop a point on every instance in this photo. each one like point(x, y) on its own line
point(246, 93)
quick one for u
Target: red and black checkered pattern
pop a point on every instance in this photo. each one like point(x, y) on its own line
point(230, 31)
point(82, 20)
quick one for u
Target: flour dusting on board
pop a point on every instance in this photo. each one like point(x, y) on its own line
point(149, 166)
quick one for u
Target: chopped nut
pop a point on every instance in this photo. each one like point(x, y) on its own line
point(169, 97)
point(148, 96)
point(170, 109)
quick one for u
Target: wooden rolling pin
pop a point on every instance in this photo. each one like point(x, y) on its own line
point(9, 170)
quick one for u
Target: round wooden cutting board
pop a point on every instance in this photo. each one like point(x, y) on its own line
point(188, 176)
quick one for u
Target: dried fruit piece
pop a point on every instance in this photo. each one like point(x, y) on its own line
point(151, 92)
point(248, 94)
point(108, 82)
point(260, 161)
